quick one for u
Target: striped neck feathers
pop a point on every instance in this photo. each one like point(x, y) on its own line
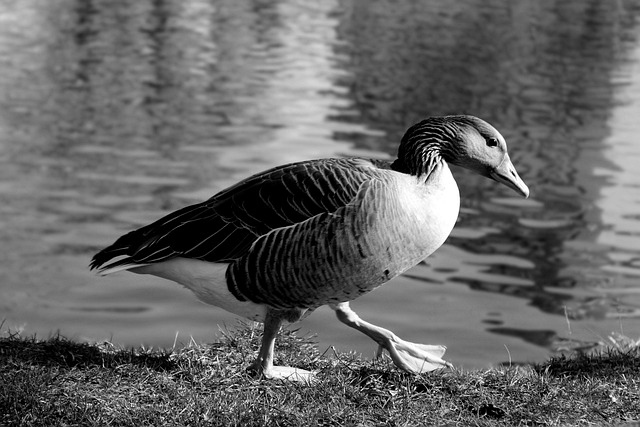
point(425, 146)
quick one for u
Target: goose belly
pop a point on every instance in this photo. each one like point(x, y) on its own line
point(207, 281)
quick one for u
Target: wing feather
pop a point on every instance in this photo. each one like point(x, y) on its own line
point(321, 260)
point(223, 228)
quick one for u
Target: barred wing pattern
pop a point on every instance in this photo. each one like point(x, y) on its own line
point(223, 228)
point(329, 258)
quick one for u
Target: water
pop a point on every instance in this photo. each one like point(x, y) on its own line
point(114, 113)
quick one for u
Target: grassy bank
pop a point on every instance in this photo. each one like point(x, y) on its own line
point(60, 382)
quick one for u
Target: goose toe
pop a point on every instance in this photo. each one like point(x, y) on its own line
point(417, 358)
point(285, 373)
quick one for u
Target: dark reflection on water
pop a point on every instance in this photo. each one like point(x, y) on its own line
point(114, 113)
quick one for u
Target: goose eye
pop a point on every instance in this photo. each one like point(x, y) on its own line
point(492, 142)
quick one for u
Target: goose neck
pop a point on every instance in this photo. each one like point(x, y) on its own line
point(421, 163)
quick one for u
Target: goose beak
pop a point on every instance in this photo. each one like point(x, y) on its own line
point(506, 174)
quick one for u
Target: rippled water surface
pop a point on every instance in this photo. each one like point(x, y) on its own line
point(114, 113)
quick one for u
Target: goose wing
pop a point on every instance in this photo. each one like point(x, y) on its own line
point(224, 227)
point(329, 258)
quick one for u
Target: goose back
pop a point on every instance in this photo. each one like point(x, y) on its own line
point(223, 228)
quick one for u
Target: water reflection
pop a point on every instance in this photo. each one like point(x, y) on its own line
point(113, 113)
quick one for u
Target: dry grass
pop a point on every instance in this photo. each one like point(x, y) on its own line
point(60, 382)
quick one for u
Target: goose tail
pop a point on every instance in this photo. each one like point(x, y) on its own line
point(120, 264)
point(116, 257)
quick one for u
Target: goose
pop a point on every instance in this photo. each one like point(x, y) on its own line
point(281, 243)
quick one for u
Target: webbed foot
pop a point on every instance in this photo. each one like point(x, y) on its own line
point(283, 373)
point(413, 357)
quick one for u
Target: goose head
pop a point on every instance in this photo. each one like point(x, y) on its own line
point(465, 141)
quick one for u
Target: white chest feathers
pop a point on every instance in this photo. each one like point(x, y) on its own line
point(436, 205)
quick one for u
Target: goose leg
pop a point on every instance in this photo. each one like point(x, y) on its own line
point(411, 357)
point(263, 365)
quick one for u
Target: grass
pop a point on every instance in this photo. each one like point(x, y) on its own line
point(60, 382)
